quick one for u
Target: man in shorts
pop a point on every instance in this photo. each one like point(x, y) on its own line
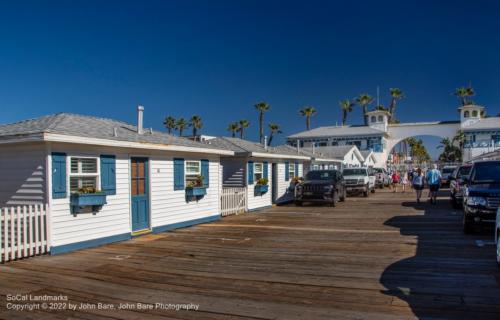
point(433, 180)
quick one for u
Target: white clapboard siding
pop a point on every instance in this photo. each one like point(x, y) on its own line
point(24, 231)
point(169, 206)
point(282, 192)
point(233, 200)
point(113, 219)
point(260, 201)
point(23, 175)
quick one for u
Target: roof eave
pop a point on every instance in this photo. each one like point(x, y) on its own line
point(278, 156)
point(52, 137)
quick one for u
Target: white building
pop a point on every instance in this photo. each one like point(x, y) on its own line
point(253, 161)
point(144, 178)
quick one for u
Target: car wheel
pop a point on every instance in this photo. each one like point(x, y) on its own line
point(468, 226)
point(299, 203)
point(365, 192)
point(373, 190)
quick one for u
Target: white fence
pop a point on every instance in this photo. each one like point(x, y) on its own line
point(24, 231)
point(233, 200)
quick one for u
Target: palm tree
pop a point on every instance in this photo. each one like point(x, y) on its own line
point(450, 153)
point(262, 107)
point(233, 127)
point(308, 112)
point(196, 123)
point(169, 123)
point(273, 129)
point(364, 100)
point(459, 138)
point(346, 107)
point(180, 125)
point(462, 94)
point(396, 95)
point(243, 124)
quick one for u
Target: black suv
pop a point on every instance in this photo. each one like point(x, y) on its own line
point(325, 186)
point(456, 184)
point(481, 194)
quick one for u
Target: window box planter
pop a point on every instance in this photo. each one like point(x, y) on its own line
point(196, 192)
point(80, 201)
point(261, 189)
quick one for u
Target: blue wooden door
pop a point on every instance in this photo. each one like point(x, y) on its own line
point(140, 193)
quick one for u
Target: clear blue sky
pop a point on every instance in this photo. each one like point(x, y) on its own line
point(218, 58)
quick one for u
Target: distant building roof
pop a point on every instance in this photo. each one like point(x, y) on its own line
point(485, 123)
point(250, 148)
point(335, 131)
point(84, 126)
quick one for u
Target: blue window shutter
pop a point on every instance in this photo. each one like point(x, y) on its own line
point(250, 172)
point(287, 171)
point(265, 170)
point(108, 174)
point(58, 175)
point(205, 172)
point(178, 174)
point(296, 168)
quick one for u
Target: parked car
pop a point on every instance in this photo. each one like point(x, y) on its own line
point(326, 186)
point(359, 180)
point(497, 235)
point(382, 178)
point(456, 184)
point(446, 173)
point(481, 194)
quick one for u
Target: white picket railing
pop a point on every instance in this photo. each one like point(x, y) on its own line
point(233, 200)
point(24, 231)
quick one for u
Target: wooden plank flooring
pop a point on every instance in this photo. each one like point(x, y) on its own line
point(383, 257)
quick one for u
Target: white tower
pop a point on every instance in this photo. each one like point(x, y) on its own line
point(378, 119)
point(470, 114)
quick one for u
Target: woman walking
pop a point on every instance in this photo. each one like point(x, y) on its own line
point(395, 181)
point(418, 183)
point(404, 180)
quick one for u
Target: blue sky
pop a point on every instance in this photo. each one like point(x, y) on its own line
point(218, 58)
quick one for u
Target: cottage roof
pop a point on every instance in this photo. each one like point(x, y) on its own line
point(337, 131)
point(60, 126)
point(254, 149)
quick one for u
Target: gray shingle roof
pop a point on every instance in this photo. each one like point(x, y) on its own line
point(330, 152)
point(240, 146)
point(485, 123)
point(365, 153)
point(92, 127)
point(334, 131)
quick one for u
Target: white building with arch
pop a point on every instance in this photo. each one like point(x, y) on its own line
point(482, 134)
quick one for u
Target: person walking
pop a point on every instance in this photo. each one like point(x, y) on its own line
point(404, 180)
point(433, 179)
point(395, 180)
point(418, 183)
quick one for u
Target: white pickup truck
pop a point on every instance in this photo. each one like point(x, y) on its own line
point(359, 180)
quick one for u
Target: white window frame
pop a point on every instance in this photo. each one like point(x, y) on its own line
point(255, 171)
point(79, 174)
point(186, 174)
point(291, 170)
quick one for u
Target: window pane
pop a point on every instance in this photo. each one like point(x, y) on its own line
point(76, 183)
point(134, 187)
point(258, 168)
point(141, 169)
point(192, 167)
point(89, 165)
point(74, 165)
point(73, 184)
point(142, 186)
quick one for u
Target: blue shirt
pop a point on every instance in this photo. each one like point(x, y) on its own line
point(434, 176)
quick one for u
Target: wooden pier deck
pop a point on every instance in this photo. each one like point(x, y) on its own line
point(382, 257)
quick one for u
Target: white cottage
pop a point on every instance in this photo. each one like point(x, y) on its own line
point(369, 158)
point(104, 180)
point(253, 162)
